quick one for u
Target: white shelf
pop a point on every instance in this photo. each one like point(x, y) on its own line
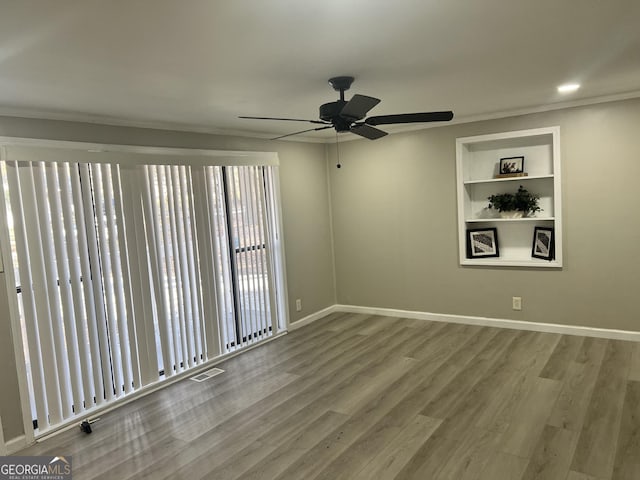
point(477, 163)
point(510, 179)
point(523, 219)
point(498, 262)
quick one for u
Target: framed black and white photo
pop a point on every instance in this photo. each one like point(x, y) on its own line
point(543, 243)
point(482, 242)
point(511, 165)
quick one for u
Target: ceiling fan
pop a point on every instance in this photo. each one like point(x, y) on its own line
point(349, 116)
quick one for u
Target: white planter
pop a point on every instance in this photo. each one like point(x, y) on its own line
point(512, 214)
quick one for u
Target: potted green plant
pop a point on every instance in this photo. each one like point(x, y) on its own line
point(515, 205)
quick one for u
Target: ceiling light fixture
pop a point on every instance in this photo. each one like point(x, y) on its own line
point(568, 88)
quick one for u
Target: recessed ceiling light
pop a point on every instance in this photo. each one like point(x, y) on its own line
point(569, 87)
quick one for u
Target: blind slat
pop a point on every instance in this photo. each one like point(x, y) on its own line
point(208, 265)
point(269, 224)
point(91, 266)
point(249, 254)
point(164, 223)
point(53, 320)
point(260, 253)
point(222, 258)
point(120, 332)
point(237, 237)
point(77, 295)
point(64, 279)
point(183, 219)
point(133, 181)
point(107, 278)
point(16, 175)
point(194, 284)
point(176, 274)
point(125, 305)
point(164, 320)
point(154, 233)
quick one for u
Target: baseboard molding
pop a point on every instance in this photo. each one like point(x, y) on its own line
point(313, 317)
point(495, 322)
point(16, 444)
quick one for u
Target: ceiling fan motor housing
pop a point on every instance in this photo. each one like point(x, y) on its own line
point(330, 112)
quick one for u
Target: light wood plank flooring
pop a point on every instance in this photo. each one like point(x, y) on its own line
point(369, 397)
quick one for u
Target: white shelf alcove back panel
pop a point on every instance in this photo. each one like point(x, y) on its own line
point(477, 163)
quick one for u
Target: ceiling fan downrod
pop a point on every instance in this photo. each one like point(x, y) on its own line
point(341, 84)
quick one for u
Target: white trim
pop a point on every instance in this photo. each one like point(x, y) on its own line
point(490, 137)
point(612, 334)
point(304, 321)
point(22, 148)
point(14, 319)
point(16, 444)
point(279, 251)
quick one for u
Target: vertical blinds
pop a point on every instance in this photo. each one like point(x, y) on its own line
point(129, 274)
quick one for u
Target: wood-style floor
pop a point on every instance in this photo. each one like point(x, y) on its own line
point(365, 397)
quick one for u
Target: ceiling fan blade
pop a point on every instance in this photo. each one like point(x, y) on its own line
point(303, 131)
point(358, 106)
point(367, 132)
point(287, 119)
point(410, 118)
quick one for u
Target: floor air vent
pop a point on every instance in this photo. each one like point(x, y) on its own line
point(201, 377)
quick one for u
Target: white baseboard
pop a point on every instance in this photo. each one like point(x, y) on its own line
point(496, 322)
point(13, 445)
point(16, 444)
point(313, 317)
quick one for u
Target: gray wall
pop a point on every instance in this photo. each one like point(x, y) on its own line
point(395, 230)
point(305, 205)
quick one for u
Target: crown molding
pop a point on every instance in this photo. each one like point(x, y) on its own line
point(203, 129)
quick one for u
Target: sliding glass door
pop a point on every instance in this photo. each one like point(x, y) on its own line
point(130, 274)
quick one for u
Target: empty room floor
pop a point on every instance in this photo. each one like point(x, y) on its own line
point(370, 397)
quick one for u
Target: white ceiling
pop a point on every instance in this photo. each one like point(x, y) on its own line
point(198, 64)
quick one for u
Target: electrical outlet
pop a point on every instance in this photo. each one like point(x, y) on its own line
point(298, 305)
point(516, 303)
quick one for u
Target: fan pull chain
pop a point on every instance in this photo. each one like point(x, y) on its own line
point(337, 151)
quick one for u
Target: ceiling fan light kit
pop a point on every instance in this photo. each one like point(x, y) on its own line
point(349, 116)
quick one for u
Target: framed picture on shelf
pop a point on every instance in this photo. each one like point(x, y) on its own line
point(511, 165)
point(543, 243)
point(482, 242)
